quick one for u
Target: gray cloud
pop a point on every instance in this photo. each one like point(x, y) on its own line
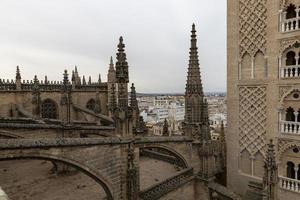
point(46, 37)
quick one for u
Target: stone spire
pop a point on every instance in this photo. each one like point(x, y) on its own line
point(121, 64)
point(122, 77)
point(270, 173)
point(133, 101)
point(194, 90)
point(99, 79)
point(66, 78)
point(90, 80)
point(36, 96)
point(83, 80)
point(196, 108)
point(111, 75)
point(46, 80)
point(165, 128)
point(65, 86)
point(73, 76)
point(194, 83)
point(18, 74)
point(18, 79)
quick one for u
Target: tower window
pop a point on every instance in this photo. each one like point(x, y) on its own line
point(291, 11)
point(290, 58)
point(49, 109)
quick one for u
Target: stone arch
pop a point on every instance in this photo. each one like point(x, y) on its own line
point(287, 44)
point(84, 169)
point(292, 90)
point(287, 147)
point(290, 58)
point(49, 109)
point(245, 162)
point(259, 63)
point(246, 66)
point(91, 104)
point(291, 11)
point(162, 149)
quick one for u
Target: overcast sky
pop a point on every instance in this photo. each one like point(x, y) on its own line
point(44, 37)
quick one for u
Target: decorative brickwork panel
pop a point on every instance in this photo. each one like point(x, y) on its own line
point(252, 118)
point(252, 22)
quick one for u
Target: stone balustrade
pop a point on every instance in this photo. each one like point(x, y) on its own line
point(158, 190)
point(289, 184)
point(287, 127)
point(292, 71)
point(291, 24)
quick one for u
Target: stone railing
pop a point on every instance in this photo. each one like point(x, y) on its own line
point(289, 184)
point(287, 127)
point(7, 85)
point(158, 190)
point(292, 71)
point(289, 25)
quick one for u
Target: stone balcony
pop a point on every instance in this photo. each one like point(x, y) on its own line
point(288, 127)
point(289, 184)
point(291, 24)
point(292, 71)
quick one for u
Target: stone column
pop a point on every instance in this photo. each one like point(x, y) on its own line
point(296, 172)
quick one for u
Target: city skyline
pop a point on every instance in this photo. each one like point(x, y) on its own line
point(49, 37)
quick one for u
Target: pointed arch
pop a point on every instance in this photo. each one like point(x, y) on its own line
point(246, 67)
point(49, 109)
point(259, 65)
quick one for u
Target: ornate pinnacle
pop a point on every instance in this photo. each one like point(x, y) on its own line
point(73, 76)
point(76, 70)
point(46, 80)
point(99, 79)
point(18, 74)
point(133, 101)
point(121, 64)
point(111, 64)
point(194, 83)
point(83, 80)
point(90, 80)
point(66, 77)
point(165, 128)
point(270, 171)
point(35, 80)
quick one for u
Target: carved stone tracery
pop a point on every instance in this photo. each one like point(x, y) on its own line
point(285, 44)
point(252, 22)
point(252, 119)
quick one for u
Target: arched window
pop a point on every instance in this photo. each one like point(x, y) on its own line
point(291, 11)
point(290, 114)
point(91, 104)
point(290, 171)
point(49, 109)
point(290, 58)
